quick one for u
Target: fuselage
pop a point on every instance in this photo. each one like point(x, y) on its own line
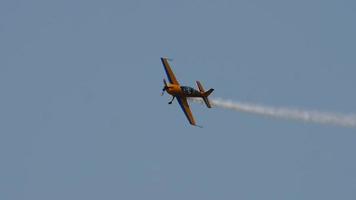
point(177, 90)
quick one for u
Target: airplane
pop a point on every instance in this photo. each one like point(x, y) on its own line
point(181, 93)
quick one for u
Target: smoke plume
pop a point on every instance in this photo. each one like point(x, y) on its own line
point(286, 113)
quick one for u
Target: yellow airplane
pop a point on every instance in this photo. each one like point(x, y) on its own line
point(181, 93)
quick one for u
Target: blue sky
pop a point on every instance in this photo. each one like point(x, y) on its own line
point(82, 117)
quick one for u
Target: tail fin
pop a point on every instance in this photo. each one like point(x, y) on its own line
point(205, 94)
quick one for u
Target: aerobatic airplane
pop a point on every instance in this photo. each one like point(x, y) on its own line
point(181, 93)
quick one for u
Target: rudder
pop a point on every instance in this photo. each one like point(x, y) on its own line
point(205, 94)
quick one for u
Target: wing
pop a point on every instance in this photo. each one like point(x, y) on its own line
point(172, 79)
point(185, 107)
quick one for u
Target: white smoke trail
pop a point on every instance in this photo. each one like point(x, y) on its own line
point(287, 113)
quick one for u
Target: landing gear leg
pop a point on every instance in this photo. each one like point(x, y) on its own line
point(172, 100)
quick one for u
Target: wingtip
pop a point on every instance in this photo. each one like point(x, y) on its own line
point(167, 58)
point(197, 125)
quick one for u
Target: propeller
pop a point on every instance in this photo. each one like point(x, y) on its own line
point(165, 83)
point(164, 87)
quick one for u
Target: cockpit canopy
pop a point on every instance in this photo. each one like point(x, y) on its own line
point(189, 90)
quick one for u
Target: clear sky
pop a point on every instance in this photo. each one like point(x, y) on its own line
point(81, 116)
